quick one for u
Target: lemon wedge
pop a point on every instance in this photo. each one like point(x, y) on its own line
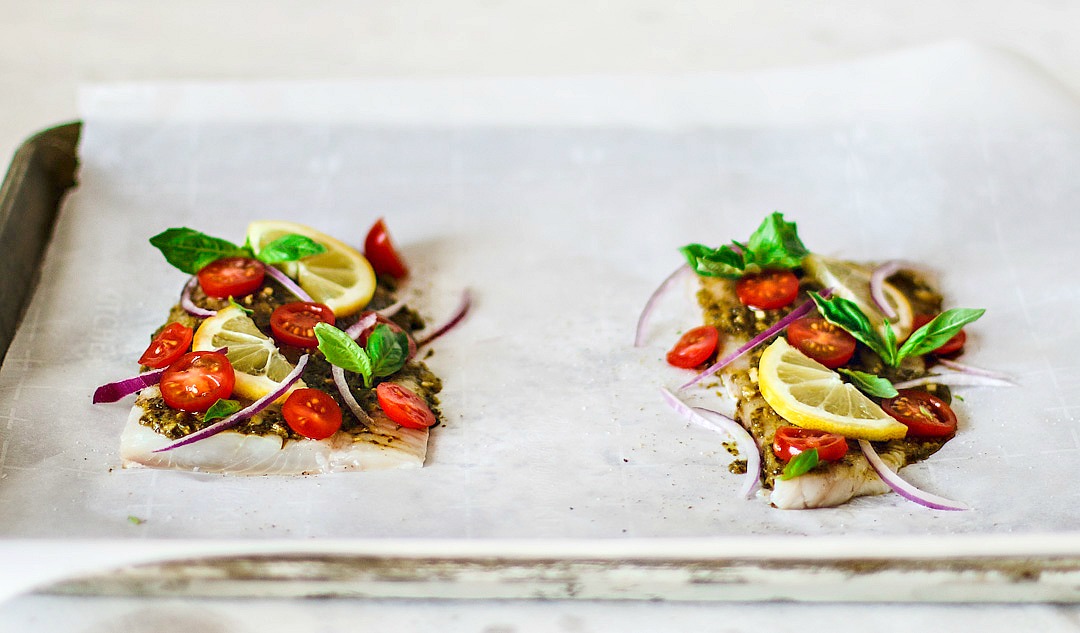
point(809, 394)
point(852, 282)
point(341, 277)
point(258, 364)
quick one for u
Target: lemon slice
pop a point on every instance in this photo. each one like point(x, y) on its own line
point(809, 394)
point(258, 364)
point(852, 281)
point(341, 277)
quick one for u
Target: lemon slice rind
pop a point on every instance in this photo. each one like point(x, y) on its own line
point(852, 282)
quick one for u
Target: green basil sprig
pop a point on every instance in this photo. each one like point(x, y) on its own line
point(191, 250)
point(385, 354)
point(847, 315)
point(221, 409)
point(801, 464)
point(870, 384)
point(775, 244)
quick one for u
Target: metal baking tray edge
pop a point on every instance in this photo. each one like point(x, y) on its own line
point(1029, 568)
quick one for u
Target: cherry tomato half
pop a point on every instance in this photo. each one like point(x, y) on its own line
point(312, 413)
point(924, 415)
point(694, 348)
point(294, 323)
point(403, 406)
point(380, 251)
point(197, 380)
point(170, 344)
point(948, 347)
point(789, 441)
point(768, 290)
point(231, 277)
point(826, 343)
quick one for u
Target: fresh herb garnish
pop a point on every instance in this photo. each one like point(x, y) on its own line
point(801, 464)
point(221, 409)
point(134, 520)
point(846, 314)
point(870, 384)
point(775, 244)
point(191, 250)
point(385, 353)
point(247, 311)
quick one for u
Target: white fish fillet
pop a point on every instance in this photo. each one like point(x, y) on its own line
point(384, 446)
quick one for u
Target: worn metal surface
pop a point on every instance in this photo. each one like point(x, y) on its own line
point(42, 170)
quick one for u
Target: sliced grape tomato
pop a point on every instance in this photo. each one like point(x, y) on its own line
point(312, 413)
point(197, 380)
point(694, 347)
point(294, 323)
point(403, 406)
point(231, 277)
point(172, 342)
point(925, 415)
point(822, 341)
point(789, 441)
point(768, 290)
point(380, 252)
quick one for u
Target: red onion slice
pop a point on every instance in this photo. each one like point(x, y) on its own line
point(346, 394)
point(877, 282)
point(725, 426)
point(795, 314)
point(116, 390)
point(654, 298)
point(976, 371)
point(905, 489)
point(242, 414)
point(392, 309)
point(188, 305)
point(369, 319)
point(289, 284)
point(955, 380)
point(455, 318)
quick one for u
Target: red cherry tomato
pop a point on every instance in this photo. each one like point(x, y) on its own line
point(948, 347)
point(403, 406)
point(789, 441)
point(294, 323)
point(694, 348)
point(826, 343)
point(768, 290)
point(312, 413)
point(170, 344)
point(231, 277)
point(924, 415)
point(380, 251)
point(197, 380)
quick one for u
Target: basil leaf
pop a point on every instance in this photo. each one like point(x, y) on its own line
point(801, 464)
point(342, 351)
point(247, 311)
point(221, 409)
point(938, 331)
point(847, 315)
point(709, 262)
point(289, 248)
point(190, 250)
point(387, 349)
point(870, 384)
point(775, 244)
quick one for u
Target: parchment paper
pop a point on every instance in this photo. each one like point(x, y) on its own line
point(561, 204)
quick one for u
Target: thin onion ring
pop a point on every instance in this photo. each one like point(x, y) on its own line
point(902, 487)
point(114, 391)
point(289, 284)
point(391, 309)
point(877, 283)
point(346, 394)
point(955, 380)
point(654, 298)
point(242, 414)
point(976, 371)
point(455, 318)
point(725, 426)
point(188, 305)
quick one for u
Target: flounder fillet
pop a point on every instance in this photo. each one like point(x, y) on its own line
point(383, 445)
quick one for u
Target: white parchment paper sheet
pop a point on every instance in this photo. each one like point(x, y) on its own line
point(561, 203)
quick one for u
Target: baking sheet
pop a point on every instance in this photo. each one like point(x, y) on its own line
point(561, 203)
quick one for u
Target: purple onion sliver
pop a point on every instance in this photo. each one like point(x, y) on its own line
point(392, 309)
point(244, 413)
point(346, 394)
point(905, 489)
point(116, 390)
point(956, 380)
point(976, 371)
point(188, 305)
point(650, 305)
point(877, 283)
point(455, 318)
point(795, 314)
point(356, 329)
point(289, 284)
